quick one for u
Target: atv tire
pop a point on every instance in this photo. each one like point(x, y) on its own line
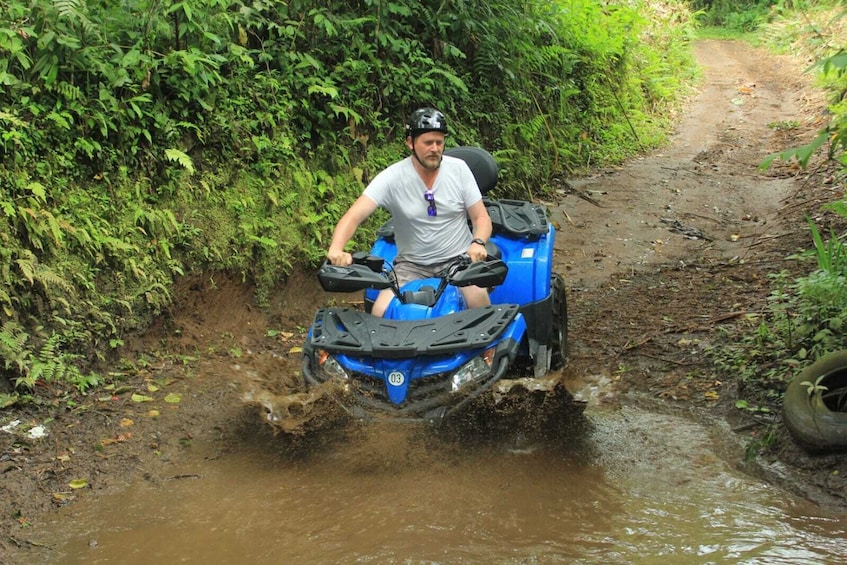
point(816, 416)
point(559, 338)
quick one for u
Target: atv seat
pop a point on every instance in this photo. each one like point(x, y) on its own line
point(480, 162)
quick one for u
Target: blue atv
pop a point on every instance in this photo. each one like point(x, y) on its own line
point(429, 356)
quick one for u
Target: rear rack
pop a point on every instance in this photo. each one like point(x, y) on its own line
point(515, 218)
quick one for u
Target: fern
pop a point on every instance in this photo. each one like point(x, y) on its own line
point(450, 77)
point(42, 225)
point(51, 364)
point(27, 265)
point(37, 272)
point(177, 156)
point(157, 296)
point(76, 12)
point(530, 130)
point(12, 119)
point(49, 279)
point(486, 64)
point(66, 306)
point(12, 345)
point(70, 92)
point(6, 300)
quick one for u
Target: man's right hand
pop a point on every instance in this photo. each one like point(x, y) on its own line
point(340, 258)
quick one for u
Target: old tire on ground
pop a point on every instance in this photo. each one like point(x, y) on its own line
point(815, 416)
point(559, 341)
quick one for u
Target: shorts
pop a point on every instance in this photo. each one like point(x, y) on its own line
point(406, 270)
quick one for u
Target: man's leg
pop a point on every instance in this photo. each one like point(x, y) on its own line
point(475, 296)
point(381, 302)
point(405, 271)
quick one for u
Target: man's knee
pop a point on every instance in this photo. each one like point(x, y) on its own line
point(380, 305)
point(476, 296)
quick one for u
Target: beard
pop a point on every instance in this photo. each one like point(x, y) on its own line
point(430, 161)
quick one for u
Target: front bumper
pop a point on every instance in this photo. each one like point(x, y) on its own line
point(426, 352)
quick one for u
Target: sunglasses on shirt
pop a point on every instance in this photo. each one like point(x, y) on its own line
point(431, 210)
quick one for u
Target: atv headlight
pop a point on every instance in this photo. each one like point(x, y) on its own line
point(476, 369)
point(331, 368)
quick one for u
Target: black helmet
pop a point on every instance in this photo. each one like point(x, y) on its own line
point(423, 120)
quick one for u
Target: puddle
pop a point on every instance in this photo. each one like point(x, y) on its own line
point(638, 487)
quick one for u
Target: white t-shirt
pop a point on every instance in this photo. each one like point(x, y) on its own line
point(422, 238)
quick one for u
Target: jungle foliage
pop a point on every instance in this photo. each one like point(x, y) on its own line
point(143, 140)
point(745, 15)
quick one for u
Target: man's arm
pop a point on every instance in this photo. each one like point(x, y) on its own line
point(481, 222)
point(358, 212)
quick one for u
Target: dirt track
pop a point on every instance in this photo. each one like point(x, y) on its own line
point(658, 255)
point(675, 247)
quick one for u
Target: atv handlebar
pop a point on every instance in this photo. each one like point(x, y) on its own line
point(369, 272)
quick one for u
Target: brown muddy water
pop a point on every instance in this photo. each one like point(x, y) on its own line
point(622, 485)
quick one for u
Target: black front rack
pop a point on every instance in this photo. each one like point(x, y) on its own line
point(353, 332)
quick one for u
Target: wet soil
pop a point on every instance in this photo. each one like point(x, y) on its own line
point(663, 256)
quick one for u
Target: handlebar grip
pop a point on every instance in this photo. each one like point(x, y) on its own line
point(372, 262)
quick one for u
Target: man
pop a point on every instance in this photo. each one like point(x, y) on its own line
point(430, 197)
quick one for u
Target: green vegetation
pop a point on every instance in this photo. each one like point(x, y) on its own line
point(806, 315)
point(742, 16)
point(736, 16)
point(145, 140)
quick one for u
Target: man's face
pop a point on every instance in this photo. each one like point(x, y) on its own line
point(428, 148)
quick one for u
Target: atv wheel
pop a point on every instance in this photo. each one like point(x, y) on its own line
point(814, 408)
point(559, 339)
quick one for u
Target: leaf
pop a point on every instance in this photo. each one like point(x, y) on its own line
point(77, 484)
point(141, 398)
point(330, 91)
point(177, 156)
point(456, 81)
point(173, 398)
point(126, 422)
point(802, 153)
point(120, 438)
point(38, 191)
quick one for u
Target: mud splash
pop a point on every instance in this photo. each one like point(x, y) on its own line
point(289, 407)
point(282, 401)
